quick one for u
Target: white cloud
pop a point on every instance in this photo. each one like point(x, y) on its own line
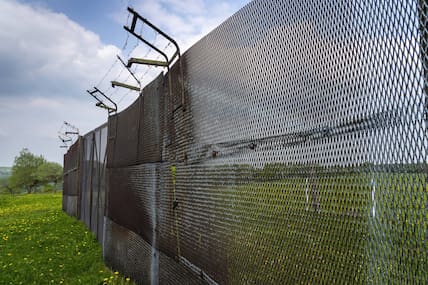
point(186, 20)
point(47, 51)
point(48, 61)
point(3, 133)
point(34, 123)
point(45, 103)
point(192, 7)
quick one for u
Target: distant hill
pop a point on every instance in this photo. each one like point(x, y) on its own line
point(5, 171)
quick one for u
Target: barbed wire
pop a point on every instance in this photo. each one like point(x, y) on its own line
point(127, 34)
point(107, 72)
point(116, 60)
point(149, 67)
point(124, 95)
point(134, 69)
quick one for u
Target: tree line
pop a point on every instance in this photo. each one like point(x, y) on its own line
point(32, 173)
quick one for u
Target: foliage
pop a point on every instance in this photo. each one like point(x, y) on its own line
point(31, 171)
point(40, 244)
point(4, 186)
point(49, 172)
point(47, 188)
point(24, 171)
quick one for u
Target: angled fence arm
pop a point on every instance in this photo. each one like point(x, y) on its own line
point(167, 62)
point(148, 23)
point(127, 68)
point(146, 42)
point(101, 103)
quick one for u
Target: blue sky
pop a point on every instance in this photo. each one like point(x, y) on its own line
point(54, 50)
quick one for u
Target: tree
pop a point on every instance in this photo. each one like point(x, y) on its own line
point(4, 186)
point(24, 171)
point(49, 172)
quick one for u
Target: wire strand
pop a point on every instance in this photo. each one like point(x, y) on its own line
point(107, 72)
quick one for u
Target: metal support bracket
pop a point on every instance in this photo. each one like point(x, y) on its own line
point(64, 135)
point(167, 62)
point(101, 103)
point(124, 85)
point(120, 84)
point(64, 140)
point(147, 62)
point(75, 129)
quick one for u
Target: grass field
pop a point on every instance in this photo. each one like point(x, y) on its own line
point(40, 244)
point(329, 230)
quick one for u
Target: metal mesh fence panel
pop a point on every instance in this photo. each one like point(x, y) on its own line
point(133, 235)
point(132, 255)
point(70, 180)
point(95, 182)
point(151, 122)
point(87, 157)
point(301, 158)
point(298, 155)
point(125, 130)
point(92, 181)
point(103, 132)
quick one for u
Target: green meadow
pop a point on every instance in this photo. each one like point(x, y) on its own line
point(337, 229)
point(40, 244)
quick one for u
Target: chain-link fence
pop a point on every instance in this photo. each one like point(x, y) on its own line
point(298, 157)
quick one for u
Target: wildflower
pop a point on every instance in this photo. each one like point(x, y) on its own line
point(116, 273)
point(128, 279)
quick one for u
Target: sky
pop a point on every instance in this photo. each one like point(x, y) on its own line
point(52, 51)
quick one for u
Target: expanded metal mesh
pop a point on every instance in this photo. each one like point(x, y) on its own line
point(93, 180)
point(298, 157)
point(71, 183)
